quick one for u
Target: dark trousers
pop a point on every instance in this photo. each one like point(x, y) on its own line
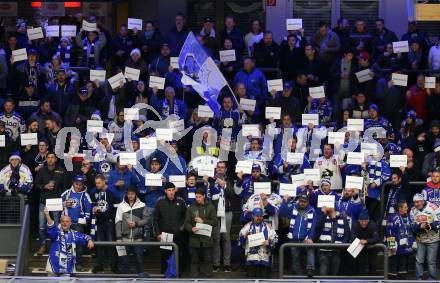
point(106, 233)
point(79, 248)
point(398, 265)
point(201, 260)
point(257, 271)
point(365, 263)
point(329, 262)
point(139, 253)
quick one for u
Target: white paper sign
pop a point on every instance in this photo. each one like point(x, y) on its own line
point(35, 33)
point(262, 188)
point(227, 55)
point(317, 92)
point(355, 158)
point(95, 126)
point(310, 119)
point(336, 137)
point(97, 75)
point(2, 140)
point(326, 201)
point(131, 114)
point(88, 26)
point(244, 166)
point(400, 47)
point(121, 250)
point(29, 139)
point(53, 31)
point(204, 229)
point(368, 148)
point(294, 24)
point(206, 171)
point(127, 158)
point(178, 180)
point(68, 30)
point(204, 111)
point(355, 124)
point(134, 24)
point(364, 75)
point(273, 112)
point(19, 54)
point(157, 82)
point(396, 161)
point(164, 134)
point(177, 126)
point(148, 143)
point(154, 180)
point(430, 82)
point(298, 180)
point(54, 204)
point(276, 85)
point(399, 79)
point(287, 189)
point(248, 104)
point(250, 130)
point(174, 62)
point(355, 248)
point(255, 240)
point(166, 238)
point(132, 73)
point(312, 175)
point(295, 157)
point(117, 80)
point(354, 182)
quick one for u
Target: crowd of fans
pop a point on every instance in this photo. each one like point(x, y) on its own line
point(110, 200)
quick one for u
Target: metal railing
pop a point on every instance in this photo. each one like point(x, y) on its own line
point(11, 224)
point(23, 246)
point(334, 246)
point(145, 244)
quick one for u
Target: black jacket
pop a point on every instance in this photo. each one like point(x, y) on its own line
point(105, 201)
point(169, 216)
point(370, 233)
point(44, 176)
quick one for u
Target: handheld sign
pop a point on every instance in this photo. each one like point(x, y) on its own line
point(227, 55)
point(35, 33)
point(294, 24)
point(97, 75)
point(134, 23)
point(276, 85)
point(400, 47)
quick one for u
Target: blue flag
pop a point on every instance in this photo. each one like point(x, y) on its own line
point(201, 72)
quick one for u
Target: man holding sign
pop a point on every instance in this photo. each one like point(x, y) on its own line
point(200, 245)
point(258, 238)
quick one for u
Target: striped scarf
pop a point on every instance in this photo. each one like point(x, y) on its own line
point(64, 54)
point(89, 53)
point(329, 235)
point(166, 109)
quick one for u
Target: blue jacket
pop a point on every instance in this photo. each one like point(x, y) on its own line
point(176, 40)
point(399, 235)
point(302, 223)
point(162, 106)
point(81, 205)
point(152, 194)
point(313, 198)
point(62, 244)
point(60, 97)
point(222, 121)
point(350, 208)
point(284, 175)
point(255, 83)
point(129, 178)
point(378, 172)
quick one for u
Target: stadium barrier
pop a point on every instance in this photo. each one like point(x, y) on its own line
point(11, 222)
point(146, 244)
point(334, 246)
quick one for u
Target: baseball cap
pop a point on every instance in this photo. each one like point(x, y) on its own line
point(257, 212)
point(418, 197)
point(208, 20)
point(78, 179)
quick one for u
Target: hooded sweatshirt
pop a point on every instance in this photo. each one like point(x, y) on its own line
point(136, 213)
